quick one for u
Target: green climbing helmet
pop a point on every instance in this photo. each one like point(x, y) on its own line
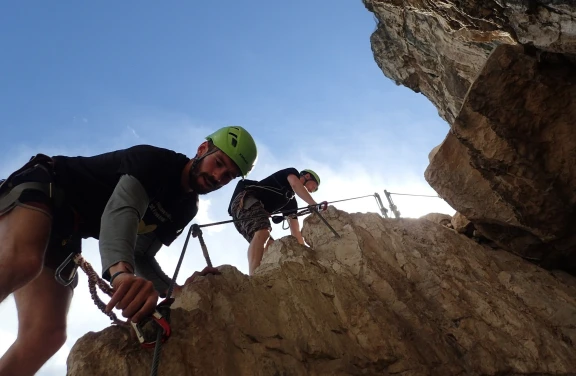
point(238, 144)
point(315, 176)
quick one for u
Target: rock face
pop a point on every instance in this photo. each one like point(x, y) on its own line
point(462, 224)
point(509, 163)
point(407, 297)
point(438, 47)
point(440, 218)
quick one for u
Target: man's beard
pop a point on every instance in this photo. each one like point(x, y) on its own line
point(195, 176)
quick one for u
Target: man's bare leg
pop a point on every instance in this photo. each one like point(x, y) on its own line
point(256, 249)
point(268, 244)
point(24, 235)
point(42, 310)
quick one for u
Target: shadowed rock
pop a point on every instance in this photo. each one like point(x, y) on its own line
point(509, 163)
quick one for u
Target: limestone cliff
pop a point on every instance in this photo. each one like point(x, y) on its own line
point(503, 74)
point(509, 164)
point(404, 297)
point(437, 47)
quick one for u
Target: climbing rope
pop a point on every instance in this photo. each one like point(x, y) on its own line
point(93, 281)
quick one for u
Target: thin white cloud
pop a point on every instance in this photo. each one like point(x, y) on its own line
point(80, 119)
point(133, 131)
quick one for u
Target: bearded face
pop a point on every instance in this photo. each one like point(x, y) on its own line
point(214, 171)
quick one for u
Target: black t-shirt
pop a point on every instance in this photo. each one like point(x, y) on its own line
point(274, 191)
point(88, 183)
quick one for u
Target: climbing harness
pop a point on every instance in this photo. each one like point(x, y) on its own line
point(286, 193)
point(308, 210)
point(277, 219)
point(37, 176)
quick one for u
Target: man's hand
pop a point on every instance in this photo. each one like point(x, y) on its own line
point(135, 296)
point(207, 270)
point(319, 207)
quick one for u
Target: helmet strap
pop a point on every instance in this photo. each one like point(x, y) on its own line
point(195, 161)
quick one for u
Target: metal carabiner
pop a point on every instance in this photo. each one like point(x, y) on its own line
point(60, 270)
point(286, 223)
point(160, 320)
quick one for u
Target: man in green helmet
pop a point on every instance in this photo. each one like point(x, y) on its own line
point(254, 201)
point(133, 200)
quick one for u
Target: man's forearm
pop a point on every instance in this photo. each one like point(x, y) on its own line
point(119, 225)
point(303, 193)
point(300, 190)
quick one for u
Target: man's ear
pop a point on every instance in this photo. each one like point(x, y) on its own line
point(203, 148)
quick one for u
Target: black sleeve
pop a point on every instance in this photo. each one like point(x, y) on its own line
point(283, 174)
point(169, 231)
point(153, 167)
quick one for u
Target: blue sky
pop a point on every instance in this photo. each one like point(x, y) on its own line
point(80, 78)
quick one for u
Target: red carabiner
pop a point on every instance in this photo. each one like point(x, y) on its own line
point(160, 320)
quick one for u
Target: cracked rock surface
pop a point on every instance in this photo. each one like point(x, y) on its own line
point(403, 297)
point(503, 75)
point(437, 47)
point(509, 162)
